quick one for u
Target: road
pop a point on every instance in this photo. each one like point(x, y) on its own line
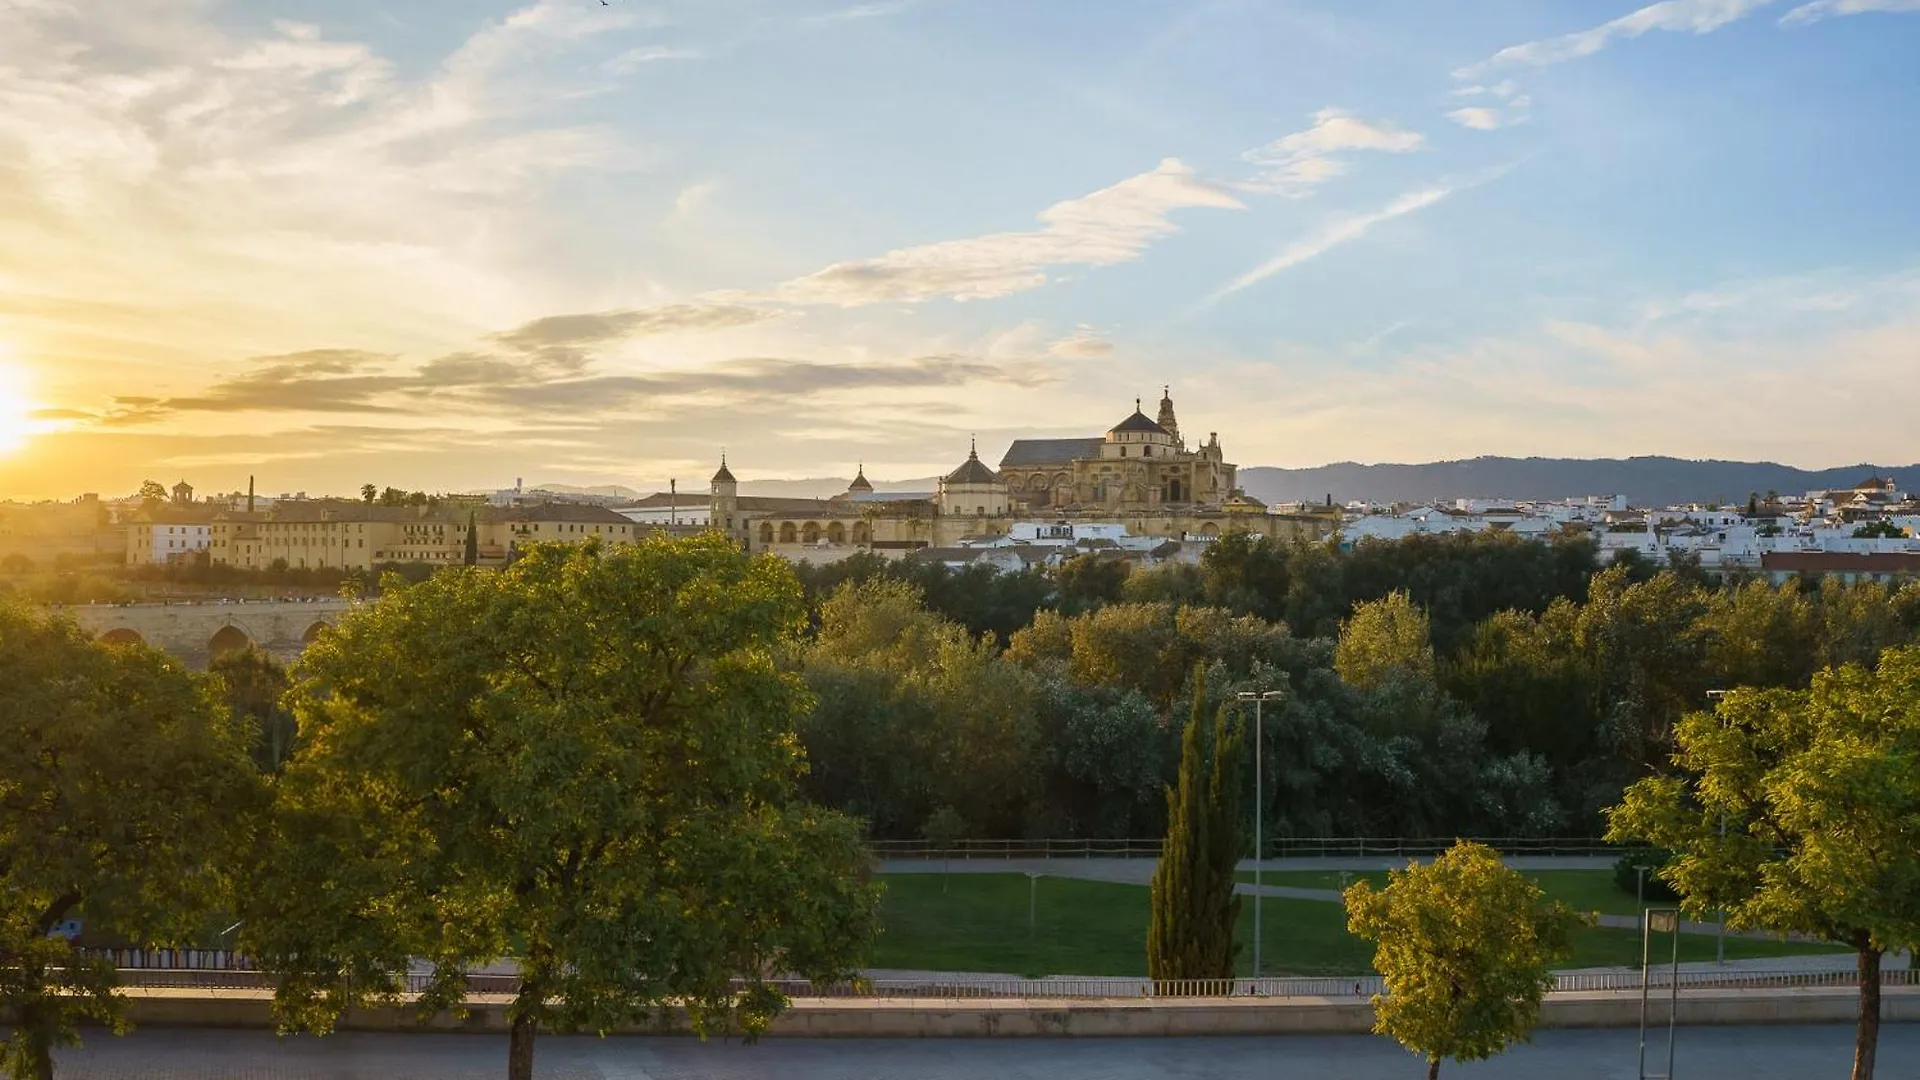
point(1753, 1053)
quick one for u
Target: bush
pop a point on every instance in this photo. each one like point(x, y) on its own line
point(1653, 859)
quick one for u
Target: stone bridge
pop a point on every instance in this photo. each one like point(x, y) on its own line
point(198, 631)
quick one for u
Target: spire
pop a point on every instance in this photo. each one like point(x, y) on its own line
point(860, 484)
point(724, 476)
point(1166, 418)
point(973, 447)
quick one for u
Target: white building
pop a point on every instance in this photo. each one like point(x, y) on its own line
point(168, 540)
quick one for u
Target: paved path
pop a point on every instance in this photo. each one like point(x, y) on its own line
point(1140, 871)
point(1752, 1053)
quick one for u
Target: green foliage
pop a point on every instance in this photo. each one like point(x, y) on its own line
point(1629, 879)
point(1467, 948)
point(127, 793)
point(1795, 810)
point(152, 492)
point(1086, 582)
point(253, 682)
point(586, 761)
point(1384, 637)
point(1880, 529)
point(1191, 935)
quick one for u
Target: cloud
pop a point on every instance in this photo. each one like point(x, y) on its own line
point(691, 200)
point(758, 379)
point(565, 341)
point(320, 380)
point(1295, 165)
point(858, 12)
point(1085, 343)
point(1110, 226)
point(643, 55)
point(1674, 16)
point(1341, 231)
point(1827, 9)
point(1480, 119)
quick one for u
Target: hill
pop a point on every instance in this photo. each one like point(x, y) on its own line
point(1645, 481)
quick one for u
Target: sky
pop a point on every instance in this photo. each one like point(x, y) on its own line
point(443, 244)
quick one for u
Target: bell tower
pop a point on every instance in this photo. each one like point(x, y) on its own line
point(1166, 419)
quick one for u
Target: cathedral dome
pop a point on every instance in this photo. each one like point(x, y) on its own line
point(972, 471)
point(860, 485)
point(1139, 422)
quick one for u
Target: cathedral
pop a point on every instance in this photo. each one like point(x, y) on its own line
point(1140, 474)
point(1140, 464)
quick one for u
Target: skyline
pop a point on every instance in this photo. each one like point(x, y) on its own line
point(593, 245)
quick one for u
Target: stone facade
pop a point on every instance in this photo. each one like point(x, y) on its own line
point(1140, 474)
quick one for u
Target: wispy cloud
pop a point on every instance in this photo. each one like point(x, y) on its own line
point(1085, 343)
point(1109, 226)
point(1827, 9)
point(1341, 231)
point(1674, 16)
point(857, 12)
point(643, 55)
point(1296, 164)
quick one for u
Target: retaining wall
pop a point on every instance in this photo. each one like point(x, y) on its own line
point(959, 1018)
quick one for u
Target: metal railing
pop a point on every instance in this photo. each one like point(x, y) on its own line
point(1277, 847)
point(959, 986)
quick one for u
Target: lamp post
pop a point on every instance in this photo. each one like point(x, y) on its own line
point(1259, 807)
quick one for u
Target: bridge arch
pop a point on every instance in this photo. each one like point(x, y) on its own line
point(229, 638)
point(123, 635)
point(313, 632)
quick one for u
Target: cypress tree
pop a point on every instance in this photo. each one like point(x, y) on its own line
point(473, 542)
point(1194, 906)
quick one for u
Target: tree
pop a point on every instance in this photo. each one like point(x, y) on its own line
point(1090, 581)
point(152, 493)
point(392, 496)
point(586, 762)
point(1795, 811)
point(942, 829)
point(1194, 909)
point(1878, 529)
point(368, 493)
point(253, 683)
point(127, 790)
point(1384, 636)
point(1466, 947)
point(471, 556)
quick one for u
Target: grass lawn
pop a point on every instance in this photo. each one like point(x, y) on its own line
point(979, 923)
point(1582, 890)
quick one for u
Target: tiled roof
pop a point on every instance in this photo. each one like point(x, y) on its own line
point(1140, 421)
point(1049, 451)
point(972, 471)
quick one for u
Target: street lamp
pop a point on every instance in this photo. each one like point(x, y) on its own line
point(1259, 807)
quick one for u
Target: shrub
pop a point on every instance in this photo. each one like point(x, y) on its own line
point(1653, 859)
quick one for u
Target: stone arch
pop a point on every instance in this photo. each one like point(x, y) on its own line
point(836, 533)
point(1209, 529)
point(810, 534)
point(862, 534)
point(787, 533)
point(766, 532)
point(123, 635)
point(228, 638)
point(313, 632)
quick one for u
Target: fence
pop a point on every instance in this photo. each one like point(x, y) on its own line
point(1100, 988)
point(1277, 847)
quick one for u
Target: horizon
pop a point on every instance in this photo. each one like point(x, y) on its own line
point(327, 244)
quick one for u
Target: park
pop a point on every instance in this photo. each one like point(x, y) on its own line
point(669, 787)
